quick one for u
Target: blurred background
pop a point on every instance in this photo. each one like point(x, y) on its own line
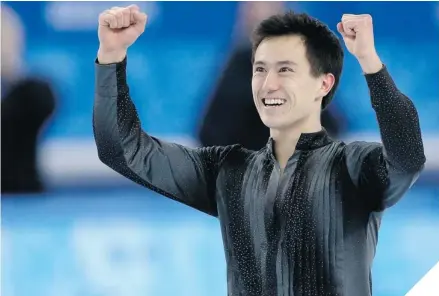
point(70, 226)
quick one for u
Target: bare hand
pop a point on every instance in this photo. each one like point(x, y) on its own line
point(357, 33)
point(119, 28)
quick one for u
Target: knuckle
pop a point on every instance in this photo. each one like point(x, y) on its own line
point(110, 13)
point(105, 12)
point(126, 12)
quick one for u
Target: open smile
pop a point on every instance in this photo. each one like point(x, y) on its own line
point(275, 102)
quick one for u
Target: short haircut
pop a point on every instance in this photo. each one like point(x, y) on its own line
point(323, 48)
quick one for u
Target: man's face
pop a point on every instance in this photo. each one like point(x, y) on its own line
point(284, 91)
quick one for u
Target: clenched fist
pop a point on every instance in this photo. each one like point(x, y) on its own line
point(357, 33)
point(119, 28)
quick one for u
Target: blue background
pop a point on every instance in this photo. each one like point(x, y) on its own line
point(181, 53)
point(129, 241)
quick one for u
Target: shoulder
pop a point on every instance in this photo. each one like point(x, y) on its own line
point(360, 149)
point(224, 154)
point(31, 86)
point(238, 156)
point(353, 152)
point(240, 153)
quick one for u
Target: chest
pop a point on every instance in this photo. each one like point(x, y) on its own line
point(309, 187)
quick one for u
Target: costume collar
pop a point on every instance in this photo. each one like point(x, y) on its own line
point(307, 141)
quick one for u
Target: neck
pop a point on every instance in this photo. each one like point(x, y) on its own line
point(285, 140)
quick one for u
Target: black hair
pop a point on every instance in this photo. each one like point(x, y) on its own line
point(323, 48)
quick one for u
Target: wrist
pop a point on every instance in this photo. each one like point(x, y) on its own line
point(371, 64)
point(106, 57)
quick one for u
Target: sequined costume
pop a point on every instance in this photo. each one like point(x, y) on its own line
point(310, 231)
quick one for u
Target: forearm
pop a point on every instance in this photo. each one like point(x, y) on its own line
point(106, 115)
point(398, 122)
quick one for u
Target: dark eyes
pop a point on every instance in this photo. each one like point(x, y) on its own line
point(286, 69)
point(282, 70)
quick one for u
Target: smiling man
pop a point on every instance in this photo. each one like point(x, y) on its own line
point(300, 216)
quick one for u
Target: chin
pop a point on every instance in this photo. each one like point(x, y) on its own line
point(275, 122)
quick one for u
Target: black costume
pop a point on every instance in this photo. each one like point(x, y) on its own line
point(310, 231)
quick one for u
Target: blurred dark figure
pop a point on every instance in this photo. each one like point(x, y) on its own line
point(26, 105)
point(231, 117)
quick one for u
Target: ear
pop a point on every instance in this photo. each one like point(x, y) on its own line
point(327, 82)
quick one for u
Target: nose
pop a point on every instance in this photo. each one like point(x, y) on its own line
point(271, 82)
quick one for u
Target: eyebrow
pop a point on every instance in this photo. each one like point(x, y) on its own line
point(286, 62)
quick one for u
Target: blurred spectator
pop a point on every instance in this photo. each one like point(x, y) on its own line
point(26, 105)
point(231, 117)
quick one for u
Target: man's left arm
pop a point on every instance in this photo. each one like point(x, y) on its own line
point(383, 172)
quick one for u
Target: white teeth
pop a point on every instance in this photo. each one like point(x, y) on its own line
point(274, 101)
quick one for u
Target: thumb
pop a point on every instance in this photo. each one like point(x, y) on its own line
point(340, 29)
point(133, 8)
point(139, 19)
point(342, 32)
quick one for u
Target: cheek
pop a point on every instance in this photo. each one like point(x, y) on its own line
point(292, 88)
point(300, 90)
point(256, 86)
point(256, 82)
point(313, 87)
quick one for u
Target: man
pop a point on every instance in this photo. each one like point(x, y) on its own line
point(27, 104)
point(300, 216)
point(230, 112)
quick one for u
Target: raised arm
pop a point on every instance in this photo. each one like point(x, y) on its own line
point(382, 172)
point(183, 174)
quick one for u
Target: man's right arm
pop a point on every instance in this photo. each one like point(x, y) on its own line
point(183, 174)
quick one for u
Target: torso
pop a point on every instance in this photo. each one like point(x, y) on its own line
point(284, 232)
